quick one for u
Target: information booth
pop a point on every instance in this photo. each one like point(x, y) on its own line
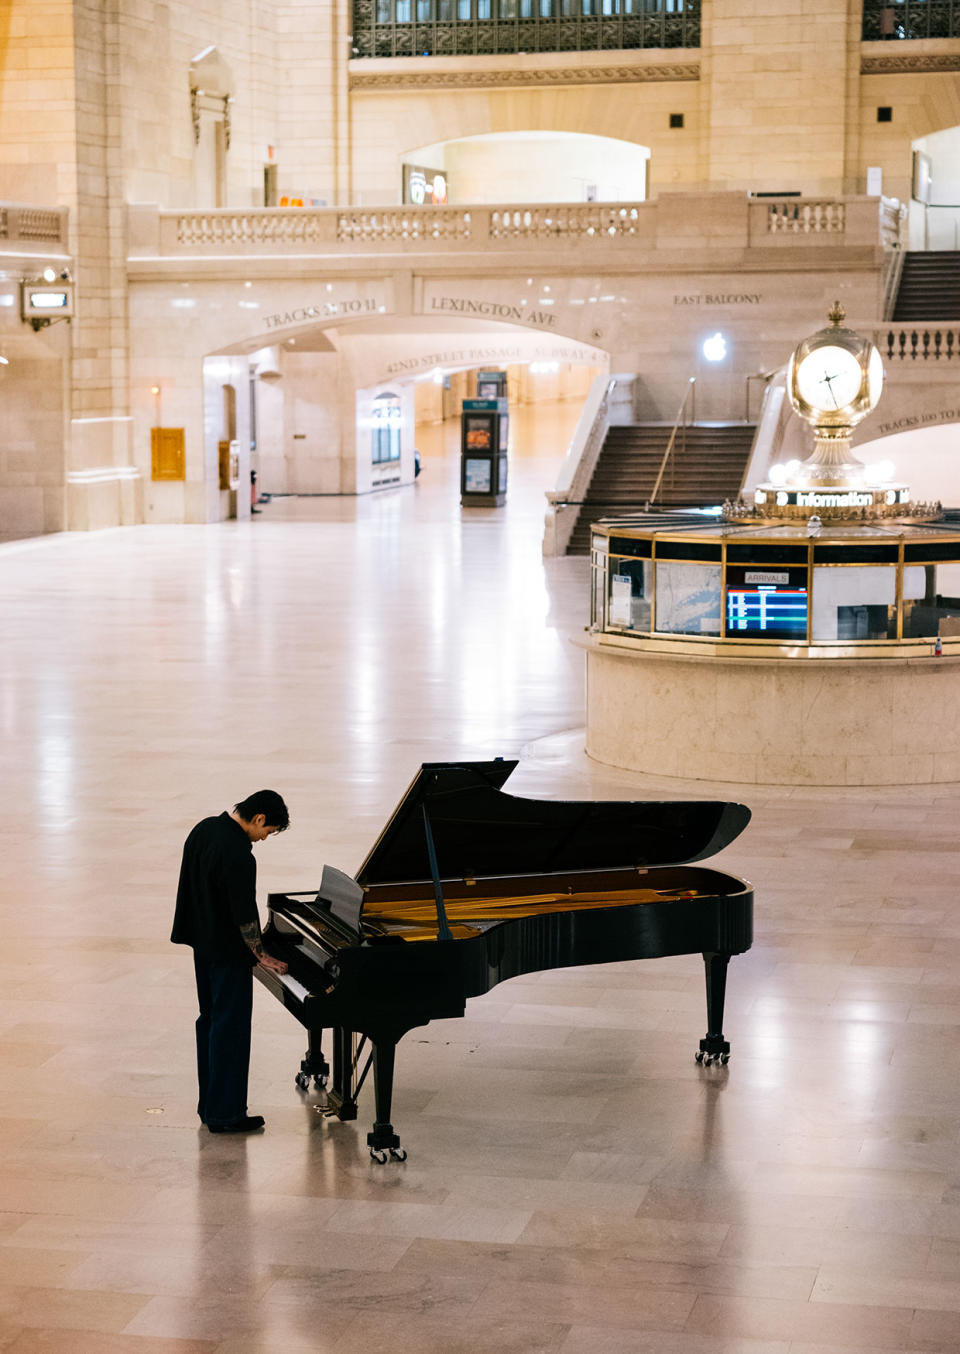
point(491, 385)
point(484, 430)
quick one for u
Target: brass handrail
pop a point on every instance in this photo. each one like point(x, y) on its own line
point(680, 424)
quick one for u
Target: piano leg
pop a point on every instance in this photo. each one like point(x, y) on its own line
point(342, 1097)
point(313, 1064)
point(714, 1048)
point(383, 1141)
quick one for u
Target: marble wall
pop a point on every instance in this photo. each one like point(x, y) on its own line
point(98, 115)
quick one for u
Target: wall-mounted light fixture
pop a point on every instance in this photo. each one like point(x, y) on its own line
point(47, 298)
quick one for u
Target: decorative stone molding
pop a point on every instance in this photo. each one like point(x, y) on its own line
point(211, 87)
point(910, 63)
point(512, 78)
point(32, 223)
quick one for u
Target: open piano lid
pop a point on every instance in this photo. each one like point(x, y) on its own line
point(481, 832)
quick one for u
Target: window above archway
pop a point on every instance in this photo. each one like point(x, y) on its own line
point(498, 27)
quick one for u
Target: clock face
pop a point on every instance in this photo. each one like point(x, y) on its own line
point(829, 378)
point(875, 375)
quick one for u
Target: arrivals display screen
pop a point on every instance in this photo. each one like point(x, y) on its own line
point(767, 603)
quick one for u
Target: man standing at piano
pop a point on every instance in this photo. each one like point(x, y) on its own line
point(217, 915)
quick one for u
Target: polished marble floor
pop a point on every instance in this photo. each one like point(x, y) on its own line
point(575, 1184)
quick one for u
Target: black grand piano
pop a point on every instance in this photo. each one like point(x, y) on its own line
point(468, 886)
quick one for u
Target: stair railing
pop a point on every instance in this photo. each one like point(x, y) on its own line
point(564, 503)
point(682, 421)
point(894, 270)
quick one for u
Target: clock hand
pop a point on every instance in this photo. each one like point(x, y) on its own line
point(826, 380)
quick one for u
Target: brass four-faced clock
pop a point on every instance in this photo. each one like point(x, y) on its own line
point(834, 380)
point(835, 377)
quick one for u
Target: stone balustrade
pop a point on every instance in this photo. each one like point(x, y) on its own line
point(919, 343)
point(672, 221)
point(33, 227)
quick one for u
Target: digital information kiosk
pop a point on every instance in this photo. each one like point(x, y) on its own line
point(484, 430)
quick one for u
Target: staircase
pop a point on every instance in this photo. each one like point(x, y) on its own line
point(704, 472)
point(929, 287)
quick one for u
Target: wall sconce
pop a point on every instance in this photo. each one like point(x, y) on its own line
point(47, 298)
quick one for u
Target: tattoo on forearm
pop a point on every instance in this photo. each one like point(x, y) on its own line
point(251, 934)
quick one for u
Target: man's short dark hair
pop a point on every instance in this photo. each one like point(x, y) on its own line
point(267, 802)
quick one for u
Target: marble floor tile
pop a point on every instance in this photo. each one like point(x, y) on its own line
point(575, 1184)
point(86, 1342)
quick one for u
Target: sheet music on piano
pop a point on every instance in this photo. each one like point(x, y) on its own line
point(340, 894)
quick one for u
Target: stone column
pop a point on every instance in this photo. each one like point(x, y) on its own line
point(103, 485)
point(780, 93)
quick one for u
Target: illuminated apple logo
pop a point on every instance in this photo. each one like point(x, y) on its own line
point(715, 347)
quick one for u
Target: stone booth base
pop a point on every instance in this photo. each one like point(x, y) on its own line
point(885, 721)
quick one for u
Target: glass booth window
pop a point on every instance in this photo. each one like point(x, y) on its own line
point(386, 422)
point(854, 603)
point(630, 594)
point(597, 586)
point(688, 598)
point(931, 600)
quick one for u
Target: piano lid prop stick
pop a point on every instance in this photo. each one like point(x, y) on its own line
point(443, 926)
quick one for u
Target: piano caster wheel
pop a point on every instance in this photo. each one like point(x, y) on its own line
point(382, 1155)
point(708, 1059)
point(321, 1083)
point(302, 1081)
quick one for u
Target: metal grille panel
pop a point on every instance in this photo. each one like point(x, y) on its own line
point(401, 28)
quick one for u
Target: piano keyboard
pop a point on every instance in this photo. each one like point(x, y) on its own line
point(293, 987)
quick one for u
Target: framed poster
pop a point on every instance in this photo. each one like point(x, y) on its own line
point(477, 475)
point(479, 434)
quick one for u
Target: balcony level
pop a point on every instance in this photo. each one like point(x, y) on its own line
point(398, 28)
point(675, 231)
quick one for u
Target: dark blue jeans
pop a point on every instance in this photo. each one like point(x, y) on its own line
point(225, 994)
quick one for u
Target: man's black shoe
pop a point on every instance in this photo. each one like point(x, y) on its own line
point(248, 1124)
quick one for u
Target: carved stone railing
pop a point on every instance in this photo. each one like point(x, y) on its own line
point(672, 222)
point(246, 229)
point(798, 216)
point(383, 225)
point(933, 343)
point(872, 221)
point(33, 225)
point(572, 222)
